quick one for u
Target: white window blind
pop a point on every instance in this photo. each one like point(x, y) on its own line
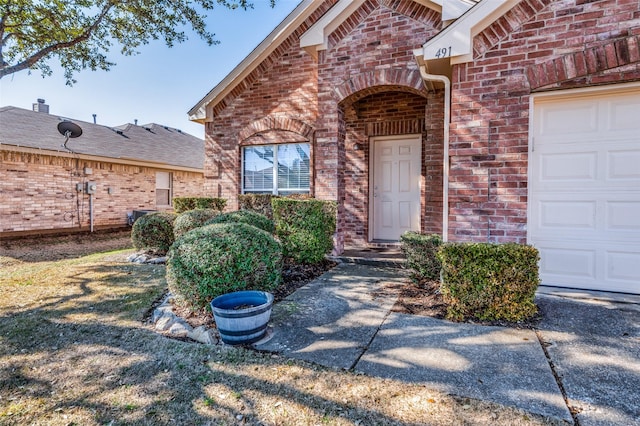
point(276, 168)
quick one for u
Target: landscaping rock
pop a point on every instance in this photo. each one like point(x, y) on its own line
point(160, 311)
point(203, 335)
point(147, 258)
point(180, 328)
point(165, 322)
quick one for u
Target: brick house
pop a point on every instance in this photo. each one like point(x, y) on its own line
point(490, 120)
point(45, 187)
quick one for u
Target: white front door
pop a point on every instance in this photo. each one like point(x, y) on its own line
point(584, 183)
point(395, 187)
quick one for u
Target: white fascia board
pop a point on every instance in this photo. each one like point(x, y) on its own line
point(265, 48)
point(315, 38)
point(453, 9)
point(456, 41)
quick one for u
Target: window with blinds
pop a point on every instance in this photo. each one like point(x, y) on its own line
point(163, 189)
point(276, 169)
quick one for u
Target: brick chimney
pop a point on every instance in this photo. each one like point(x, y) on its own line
point(41, 106)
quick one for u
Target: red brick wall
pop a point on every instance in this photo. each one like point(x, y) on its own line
point(538, 45)
point(369, 59)
point(371, 53)
point(39, 192)
point(284, 86)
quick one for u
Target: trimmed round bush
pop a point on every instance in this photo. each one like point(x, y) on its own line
point(153, 232)
point(192, 219)
point(245, 216)
point(221, 258)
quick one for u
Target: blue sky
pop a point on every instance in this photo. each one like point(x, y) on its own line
point(160, 84)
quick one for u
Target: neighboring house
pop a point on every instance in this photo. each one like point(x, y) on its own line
point(491, 120)
point(46, 187)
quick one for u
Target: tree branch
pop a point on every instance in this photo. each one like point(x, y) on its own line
point(34, 58)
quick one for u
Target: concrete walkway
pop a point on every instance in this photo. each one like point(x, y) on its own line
point(343, 320)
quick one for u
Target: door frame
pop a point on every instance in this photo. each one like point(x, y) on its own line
point(372, 153)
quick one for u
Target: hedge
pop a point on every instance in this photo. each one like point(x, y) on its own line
point(183, 204)
point(305, 228)
point(259, 203)
point(421, 253)
point(489, 281)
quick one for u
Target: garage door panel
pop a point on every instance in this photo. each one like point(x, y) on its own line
point(567, 262)
point(623, 164)
point(586, 265)
point(623, 216)
point(623, 266)
point(564, 125)
point(584, 189)
point(573, 166)
point(568, 215)
point(607, 216)
point(622, 114)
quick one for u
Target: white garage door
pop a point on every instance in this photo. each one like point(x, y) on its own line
point(584, 189)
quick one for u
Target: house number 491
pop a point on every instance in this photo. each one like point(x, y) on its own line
point(443, 52)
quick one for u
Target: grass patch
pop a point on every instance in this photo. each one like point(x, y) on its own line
point(73, 350)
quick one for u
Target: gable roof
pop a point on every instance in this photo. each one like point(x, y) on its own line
point(314, 39)
point(158, 145)
point(259, 54)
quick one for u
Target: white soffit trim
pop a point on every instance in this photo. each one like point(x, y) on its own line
point(453, 9)
point(265, 48)
point(456, 41)
point(315, 38)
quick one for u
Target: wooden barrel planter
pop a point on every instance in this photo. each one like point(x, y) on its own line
point(241, 317)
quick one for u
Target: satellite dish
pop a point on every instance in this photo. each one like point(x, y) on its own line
point(69, 129)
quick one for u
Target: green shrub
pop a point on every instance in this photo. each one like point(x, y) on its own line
point(259, 203)
point(489, 281)
point(221, 258)
point(305, 227)
point(153, 232)
point(421, 253)
point(245, 216)
point(183, 204)
point(192, 219)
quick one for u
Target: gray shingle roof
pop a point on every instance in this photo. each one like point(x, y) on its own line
point(149, 142)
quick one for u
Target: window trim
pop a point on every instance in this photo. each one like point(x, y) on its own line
point(170, 189)
point(275, 190)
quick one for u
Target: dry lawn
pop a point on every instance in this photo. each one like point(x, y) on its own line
point(74, 351)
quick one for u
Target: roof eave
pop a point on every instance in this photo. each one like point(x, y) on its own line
point(199, 112)
point(90, 157)
point(455, 42)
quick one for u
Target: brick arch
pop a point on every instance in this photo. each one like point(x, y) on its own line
point(616, 53)
point(371, 82)
point(277, 122)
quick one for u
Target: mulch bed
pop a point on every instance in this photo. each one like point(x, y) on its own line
point(421, 298)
